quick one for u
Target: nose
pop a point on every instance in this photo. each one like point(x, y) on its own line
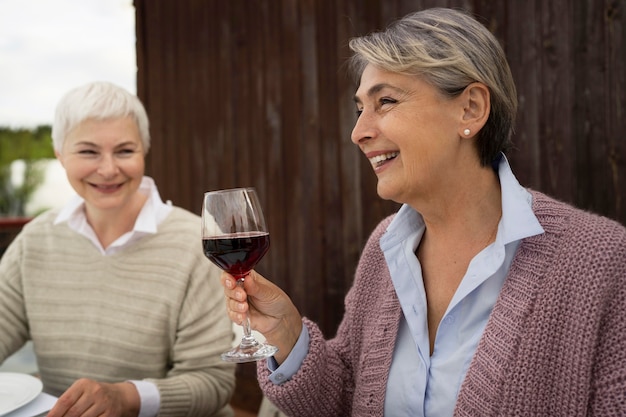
point(363, 128)
point(107, 167)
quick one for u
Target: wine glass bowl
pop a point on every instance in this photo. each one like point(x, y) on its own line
point(235, 238)
point(238, 252)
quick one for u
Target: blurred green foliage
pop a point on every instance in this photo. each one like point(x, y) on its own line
point(28, 145)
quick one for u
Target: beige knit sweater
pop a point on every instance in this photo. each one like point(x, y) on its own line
point(153, 311)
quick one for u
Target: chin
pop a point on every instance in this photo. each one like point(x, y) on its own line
point(384, 192)
point(391, 192)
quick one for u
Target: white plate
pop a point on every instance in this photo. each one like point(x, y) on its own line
point(17, 390)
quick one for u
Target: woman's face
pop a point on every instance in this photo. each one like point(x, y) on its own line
point(104, 162)
point(409, 132)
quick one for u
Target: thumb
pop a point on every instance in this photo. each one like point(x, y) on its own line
point(254, 284)
point(262, 291)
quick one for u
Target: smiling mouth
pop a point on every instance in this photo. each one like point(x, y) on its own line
point(104, 187)
point(380, 160)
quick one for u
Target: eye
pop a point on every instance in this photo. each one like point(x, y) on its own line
point(87, 152)
point(387, 100)
point(359, 112)
point(125, 152)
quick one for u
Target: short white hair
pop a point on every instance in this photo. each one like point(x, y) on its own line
point(98, 100)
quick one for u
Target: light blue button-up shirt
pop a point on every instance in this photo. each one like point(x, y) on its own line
point(421, 385)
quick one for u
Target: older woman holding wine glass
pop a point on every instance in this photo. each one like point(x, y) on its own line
point(479, 297)
point(124, 311)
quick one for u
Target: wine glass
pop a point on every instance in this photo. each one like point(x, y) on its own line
point(234, 237)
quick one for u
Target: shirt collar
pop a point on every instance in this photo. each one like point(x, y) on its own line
point(153, 212)
point(518, 220)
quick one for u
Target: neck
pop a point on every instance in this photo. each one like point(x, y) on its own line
point(467, 212)
point(109, 225)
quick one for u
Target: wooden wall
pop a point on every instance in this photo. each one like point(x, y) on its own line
point(254, 93)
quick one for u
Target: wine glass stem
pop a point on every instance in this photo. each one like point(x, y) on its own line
point(247, 332)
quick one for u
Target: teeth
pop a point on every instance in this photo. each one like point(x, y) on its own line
point(383, 157)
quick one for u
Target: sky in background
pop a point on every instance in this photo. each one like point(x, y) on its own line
point(48, 47)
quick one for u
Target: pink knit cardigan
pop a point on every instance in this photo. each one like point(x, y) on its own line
point(555, 344)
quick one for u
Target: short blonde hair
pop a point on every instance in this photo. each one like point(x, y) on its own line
point(98, 100)
point(450, 50)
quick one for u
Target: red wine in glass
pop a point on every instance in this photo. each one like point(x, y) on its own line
point(235, 238)
point(237, 253)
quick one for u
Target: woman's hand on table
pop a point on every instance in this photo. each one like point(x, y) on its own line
point(88, 398)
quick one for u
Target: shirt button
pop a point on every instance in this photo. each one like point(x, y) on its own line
point(279, 377)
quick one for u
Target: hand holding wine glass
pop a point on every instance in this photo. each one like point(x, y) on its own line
point(235, 238)
point(269, 308)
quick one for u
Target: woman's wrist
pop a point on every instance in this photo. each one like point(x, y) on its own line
point(285, 336)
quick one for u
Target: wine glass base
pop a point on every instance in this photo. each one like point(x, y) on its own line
point(254, 353)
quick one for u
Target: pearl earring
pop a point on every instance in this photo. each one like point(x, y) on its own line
point(466, 132)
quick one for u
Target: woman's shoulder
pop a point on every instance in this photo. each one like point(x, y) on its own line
point(381, 227)
point(372, 253)
point(181, 229)
point(577, 240)
point(372, 243)
point(564, 218)
point(43, 221)
point(182, 217)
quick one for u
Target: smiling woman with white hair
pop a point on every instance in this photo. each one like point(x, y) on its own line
point(124, 311)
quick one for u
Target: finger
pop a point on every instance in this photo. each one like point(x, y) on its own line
point(236, 318)
point(63, 404)
point(228, 281)
point(72, 402)
point(239, 304)
point(235, 310)
point(233, 297)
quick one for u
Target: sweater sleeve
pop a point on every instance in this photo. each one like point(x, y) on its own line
point(316, 389)
point(13, 321)
point(325, 383)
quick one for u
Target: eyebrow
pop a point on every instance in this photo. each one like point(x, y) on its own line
point(375, 89)
point(94, 145)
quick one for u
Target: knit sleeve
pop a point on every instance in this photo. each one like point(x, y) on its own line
point(13, 322)
point(326, 383)
point(316, 389)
